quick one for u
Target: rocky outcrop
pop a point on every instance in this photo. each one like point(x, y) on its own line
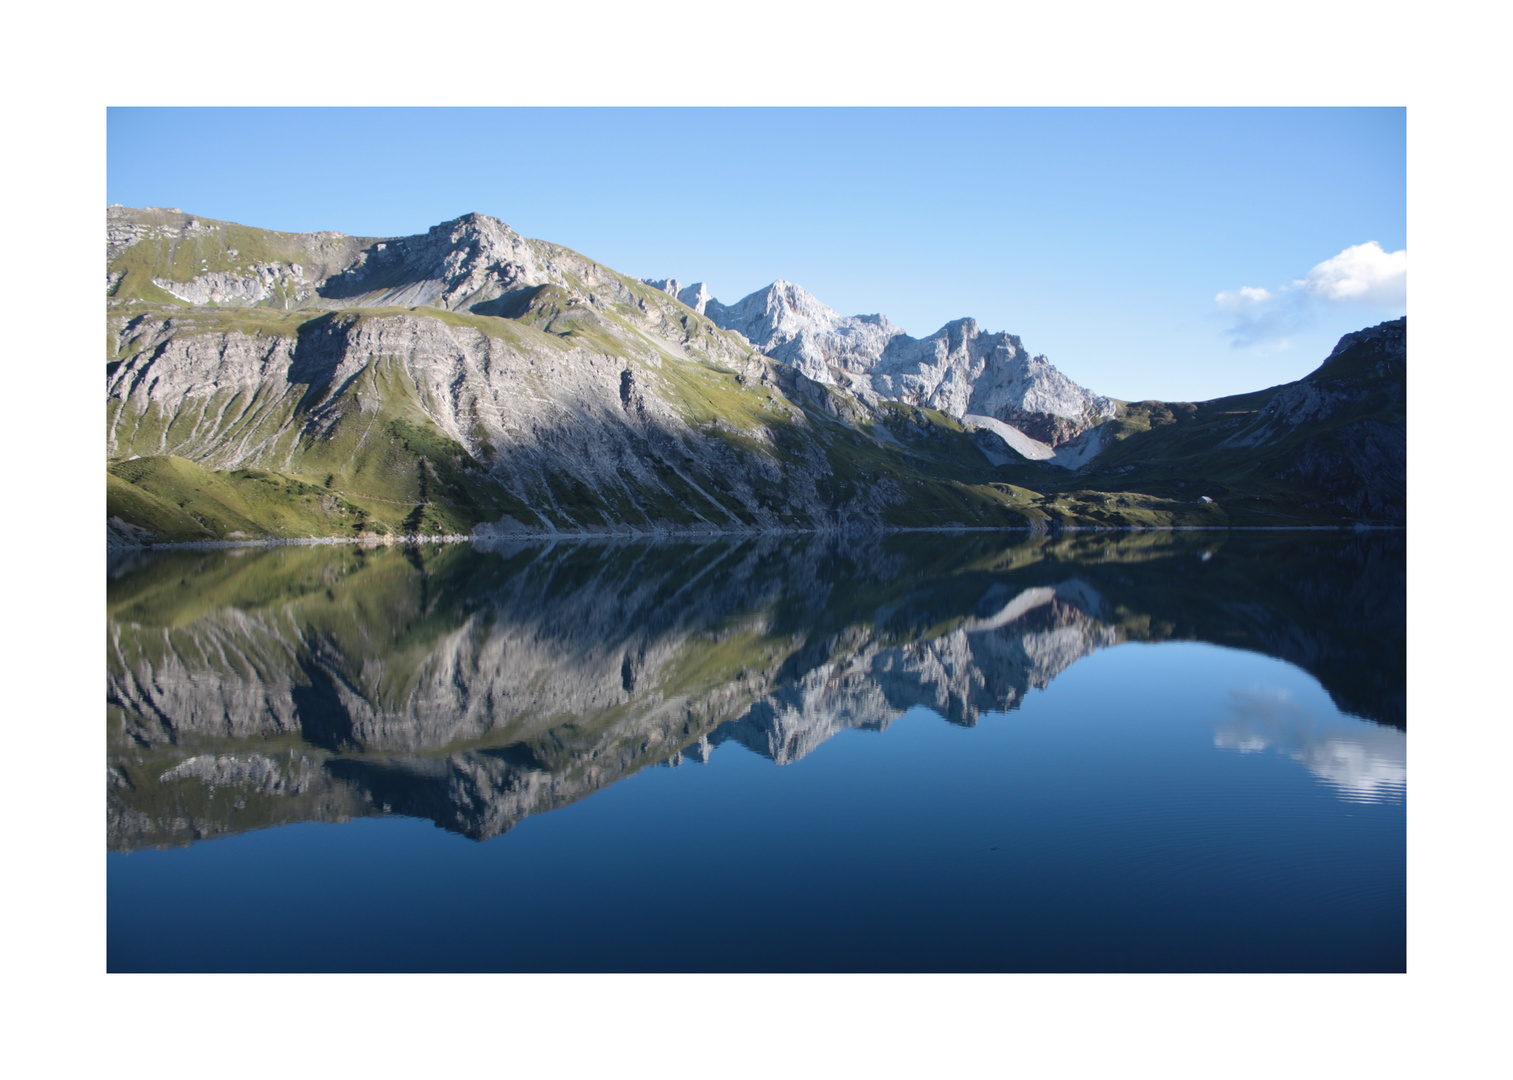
point(474, 263)
point(1364, 373)
point(696, 296)
point(961, 370)
point(790, 325)
point(257, 283)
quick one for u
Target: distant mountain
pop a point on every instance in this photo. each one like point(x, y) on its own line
point(471, 381)
point(958, 370)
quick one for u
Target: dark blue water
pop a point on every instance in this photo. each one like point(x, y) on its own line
point(1159, 805)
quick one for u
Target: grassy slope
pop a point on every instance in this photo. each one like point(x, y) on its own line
point(393, 471)
point(217, 246)
point(180, 500)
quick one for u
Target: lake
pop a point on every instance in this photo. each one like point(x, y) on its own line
point(1148, 751)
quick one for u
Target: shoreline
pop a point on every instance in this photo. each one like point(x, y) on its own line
point(635, 535)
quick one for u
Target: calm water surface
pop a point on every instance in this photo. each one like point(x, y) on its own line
point(1151, 752)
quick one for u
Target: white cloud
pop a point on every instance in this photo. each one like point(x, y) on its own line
point(1364, 275)
point(1243, 297)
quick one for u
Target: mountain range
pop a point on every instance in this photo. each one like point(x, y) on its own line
point(471, 381)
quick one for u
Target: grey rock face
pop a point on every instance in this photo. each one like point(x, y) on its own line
point(1341, 430)
point(695, 296)
point(261, 282)
point(309, 257)
point(790, 325)
point(532, 405)
point(1373, 355)
point(957, 370)
point(456, 265)
point(988, 665)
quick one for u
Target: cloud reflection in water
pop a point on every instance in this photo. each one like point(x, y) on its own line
point(1362, 761)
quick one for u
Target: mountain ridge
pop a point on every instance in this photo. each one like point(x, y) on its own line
point(959, 369)
point(471, 380)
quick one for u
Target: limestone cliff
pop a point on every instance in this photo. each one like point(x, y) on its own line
point(959, 369)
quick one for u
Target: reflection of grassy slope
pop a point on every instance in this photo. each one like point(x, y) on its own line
point(176, 807)
point(387, 606)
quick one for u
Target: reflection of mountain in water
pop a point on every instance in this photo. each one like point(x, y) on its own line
point(984, 665)
point(249, 688)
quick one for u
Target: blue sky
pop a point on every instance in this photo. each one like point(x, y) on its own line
point(1150, 253)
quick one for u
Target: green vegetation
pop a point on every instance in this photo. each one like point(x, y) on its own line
point(766, 445)
point(179, 500)
point(216, 247)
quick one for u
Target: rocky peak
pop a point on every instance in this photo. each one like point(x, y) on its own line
point(455, 265)
point(790, 324)
point(959, 369)
point(780, 313)
point(695, 296)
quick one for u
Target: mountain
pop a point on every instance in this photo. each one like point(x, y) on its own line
point(958, 370)
point(1334, 441)
point(471, 381)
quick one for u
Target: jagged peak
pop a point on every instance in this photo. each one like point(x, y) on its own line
point(473, 220)
point(965, 326)
point(696, 296)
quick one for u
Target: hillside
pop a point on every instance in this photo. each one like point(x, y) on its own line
point(470, 380)
point(1333, 442)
